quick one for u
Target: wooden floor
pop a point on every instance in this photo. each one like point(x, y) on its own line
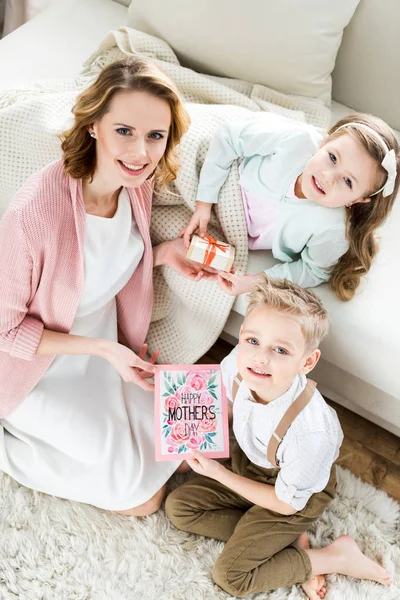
point(368, 451)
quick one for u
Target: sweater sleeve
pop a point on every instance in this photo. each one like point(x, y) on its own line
point(20, 333)
point(316, 260)
point(239, 139)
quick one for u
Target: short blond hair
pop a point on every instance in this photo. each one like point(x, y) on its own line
point(284, 296)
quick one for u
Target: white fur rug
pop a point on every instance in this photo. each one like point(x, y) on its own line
point(56, 549)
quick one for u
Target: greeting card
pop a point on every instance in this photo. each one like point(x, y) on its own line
point(191, 412)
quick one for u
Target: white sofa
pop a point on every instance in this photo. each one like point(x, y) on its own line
point(362, 354)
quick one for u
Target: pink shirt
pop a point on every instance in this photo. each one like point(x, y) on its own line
point(41, 276)
point(261, 215)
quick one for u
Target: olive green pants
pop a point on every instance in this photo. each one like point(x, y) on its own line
point(258, 555)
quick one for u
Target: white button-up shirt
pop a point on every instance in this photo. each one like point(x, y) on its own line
point(307, 451)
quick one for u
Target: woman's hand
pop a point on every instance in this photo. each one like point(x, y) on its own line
point(173, 254)
point(131, 367)
point(234, 284)
point(152, 360)
point(199, 220)
point(205, 466)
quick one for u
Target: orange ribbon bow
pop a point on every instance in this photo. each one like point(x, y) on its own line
point(211, 249)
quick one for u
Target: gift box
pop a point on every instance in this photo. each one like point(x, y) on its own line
point(211, 252)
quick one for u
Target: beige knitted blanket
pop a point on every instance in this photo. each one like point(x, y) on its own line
point(188, 317)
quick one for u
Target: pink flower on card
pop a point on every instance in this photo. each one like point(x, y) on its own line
point(179, 434)
point(197, 380)
point(207, 399)
point(207, 425)
point(180, 391)
point(185, 395)
point(195, 441)
point(172, 402)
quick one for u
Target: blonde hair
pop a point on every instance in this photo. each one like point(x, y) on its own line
point(362, 219)
point(134, 74)
point(284, 296)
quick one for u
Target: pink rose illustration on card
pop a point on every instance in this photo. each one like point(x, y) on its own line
point(191, 412)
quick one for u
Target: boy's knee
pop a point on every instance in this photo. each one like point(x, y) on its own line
point(231, 582)
point(219, 576)
point(173, 507)
point(180, 510)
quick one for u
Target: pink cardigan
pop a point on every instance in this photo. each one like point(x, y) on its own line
point(41, 276)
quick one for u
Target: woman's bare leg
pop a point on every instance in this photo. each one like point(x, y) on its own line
point(152, 505)
point(344, 557)
point(183, 467)
point(149, 507)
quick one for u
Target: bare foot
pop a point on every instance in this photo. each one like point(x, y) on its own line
point(354, 563)
point(314, 588)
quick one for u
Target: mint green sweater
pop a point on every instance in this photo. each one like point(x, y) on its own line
point(308, 238)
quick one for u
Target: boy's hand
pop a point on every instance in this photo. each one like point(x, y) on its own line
point(199, 220)
point(205, 466)
point(234, 284)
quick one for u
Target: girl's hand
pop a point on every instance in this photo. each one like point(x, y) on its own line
point(131, 367)
point(238, 284)
point(205, 466)
point(173, 254)
point(199, 220)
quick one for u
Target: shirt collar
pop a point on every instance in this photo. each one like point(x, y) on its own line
point(298, 385)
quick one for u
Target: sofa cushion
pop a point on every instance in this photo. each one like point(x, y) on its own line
point(254, 40)
point(56, 42)
point(366, 75)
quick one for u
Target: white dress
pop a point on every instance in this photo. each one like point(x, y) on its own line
point(83, 433)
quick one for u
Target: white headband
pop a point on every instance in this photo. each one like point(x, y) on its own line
point(388, 163)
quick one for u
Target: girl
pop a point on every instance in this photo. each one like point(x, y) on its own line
point(76, 288)
point(315, 201)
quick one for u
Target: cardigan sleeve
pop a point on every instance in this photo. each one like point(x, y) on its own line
point(316, 260)
point(240, 139)
point(20, 333)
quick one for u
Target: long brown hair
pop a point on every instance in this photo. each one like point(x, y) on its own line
point(130, 74)
point(362, 219)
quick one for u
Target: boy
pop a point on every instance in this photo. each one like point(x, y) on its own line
point(280, 476)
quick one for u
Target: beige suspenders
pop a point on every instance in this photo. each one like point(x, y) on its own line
point(235, 386)
point(292, 412)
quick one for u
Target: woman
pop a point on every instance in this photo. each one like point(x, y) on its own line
point(76, 298)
